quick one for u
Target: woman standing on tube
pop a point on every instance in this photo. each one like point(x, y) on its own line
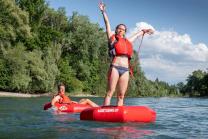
point(121, 50)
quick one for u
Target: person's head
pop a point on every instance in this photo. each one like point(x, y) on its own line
point(61, 89)
point(121, 30)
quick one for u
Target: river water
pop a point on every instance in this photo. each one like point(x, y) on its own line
point(177, 118)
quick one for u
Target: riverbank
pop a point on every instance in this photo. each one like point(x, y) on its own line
point(13, 94)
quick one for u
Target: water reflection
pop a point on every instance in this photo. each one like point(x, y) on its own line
point(121, 132)
point(110, 130)
point(64, 117)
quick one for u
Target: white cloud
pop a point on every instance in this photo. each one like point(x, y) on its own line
point(140, 26)
point(170, 56)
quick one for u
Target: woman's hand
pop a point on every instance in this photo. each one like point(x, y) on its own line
point(106, 20)
point(140, 33)
point(102, 7)
point(147, 31)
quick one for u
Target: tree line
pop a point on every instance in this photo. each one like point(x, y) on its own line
point(41, 47)
point(196, 86)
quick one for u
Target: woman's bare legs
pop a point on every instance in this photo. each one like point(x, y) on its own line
point(89, 102)
point(122, 86)
point(112, 82)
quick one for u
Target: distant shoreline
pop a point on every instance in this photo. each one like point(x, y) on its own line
point(77, 94)
point(13, 94)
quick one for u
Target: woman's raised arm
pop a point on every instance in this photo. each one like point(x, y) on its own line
point(140, 33)
point(106, 20)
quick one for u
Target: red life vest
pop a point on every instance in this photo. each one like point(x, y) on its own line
point(120, 46)
point(64, 99)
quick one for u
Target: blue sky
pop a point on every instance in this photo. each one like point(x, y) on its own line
point(180, 43)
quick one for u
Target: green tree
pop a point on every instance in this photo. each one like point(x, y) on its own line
point(195, 83)
point(14, 24)
point(36, 10)
point(4, 74)
point(67, 76)
point(204, 85)
point(83, 51)
point(17, 61)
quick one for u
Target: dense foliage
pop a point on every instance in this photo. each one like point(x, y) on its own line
point(40, 47)
point(197, 84)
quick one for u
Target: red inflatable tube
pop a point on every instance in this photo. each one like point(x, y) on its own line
point(119, 114)
point(69, 108)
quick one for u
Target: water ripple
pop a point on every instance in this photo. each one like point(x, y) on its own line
point(177, 118)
